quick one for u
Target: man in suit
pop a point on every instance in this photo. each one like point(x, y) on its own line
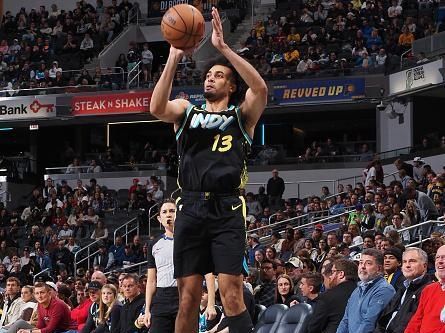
point(340, 279)
point(398, 312)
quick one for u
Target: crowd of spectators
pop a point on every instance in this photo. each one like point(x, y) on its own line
point(39, 47)
point(338, 37)
point(302, 265)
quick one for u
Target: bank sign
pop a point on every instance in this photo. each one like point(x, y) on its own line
point(29, 107)
point(318, 91)
point(416, 77)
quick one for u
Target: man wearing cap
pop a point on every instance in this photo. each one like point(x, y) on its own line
point(53, 314)
point(398, 312)
point(275, 190)
point(93, 290)
point(371, 296)
point(340, 280)
point(253, 242)
point(294, 268)
point(392, 261)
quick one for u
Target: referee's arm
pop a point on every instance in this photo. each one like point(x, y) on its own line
point(150, 291)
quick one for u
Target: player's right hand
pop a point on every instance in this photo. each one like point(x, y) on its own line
point(179, 53)
point(146, 319)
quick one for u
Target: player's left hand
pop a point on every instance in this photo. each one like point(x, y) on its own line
point(217, 33)
point(210, 313)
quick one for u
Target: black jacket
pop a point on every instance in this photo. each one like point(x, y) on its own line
point(130, 312)
point(406, 310)
point(330, 308)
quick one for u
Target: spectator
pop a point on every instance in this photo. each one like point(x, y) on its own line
point(294, 268)
point(398, 312)
point(94, 293)
point(133, 304)
point(340, 281)
point(371, 296)
point(109, 311)
point(53, 314)
point(253, 206)
point(391, 266)
point(94, 167)
point(285, 290)
point(265, 292)
point(253, 246)
point(147, 61)
point(103, 259)
point(310, 286)
point(100, 231)
point(12, 308)
point(429, 314)
point(275, 190)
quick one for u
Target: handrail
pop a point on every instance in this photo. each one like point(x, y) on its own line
point(40, 273)
point(125, 225)
point(276, 223)
point(414, 226)
point(149, 218)
point(136, 77)
point(111, 44)
point(334, 195)
point(303, 226)
point(121, 269)
point(89, 255)
point(401, 57)
point(16, 91)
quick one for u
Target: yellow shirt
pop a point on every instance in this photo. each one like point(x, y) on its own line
point(291, 56)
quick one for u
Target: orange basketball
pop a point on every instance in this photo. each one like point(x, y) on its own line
point(183, 26)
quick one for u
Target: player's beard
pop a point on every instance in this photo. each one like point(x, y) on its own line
point(210, 96)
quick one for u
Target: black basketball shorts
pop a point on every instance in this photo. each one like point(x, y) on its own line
point(210, 234)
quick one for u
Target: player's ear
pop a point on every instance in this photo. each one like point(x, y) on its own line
point(159, 219)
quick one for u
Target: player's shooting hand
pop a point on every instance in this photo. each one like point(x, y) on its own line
point(210, 313)
point(180, 53)
point(217, 33)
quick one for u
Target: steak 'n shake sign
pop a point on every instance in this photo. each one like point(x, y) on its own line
point(111, 104)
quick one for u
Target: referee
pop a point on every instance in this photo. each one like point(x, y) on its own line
point(161, 296)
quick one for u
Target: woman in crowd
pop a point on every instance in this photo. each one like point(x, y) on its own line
point(109, 311)
point(284, 293)
point(322, 250)
point(100, 232)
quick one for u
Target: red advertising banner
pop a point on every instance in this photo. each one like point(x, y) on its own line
point(111, 104)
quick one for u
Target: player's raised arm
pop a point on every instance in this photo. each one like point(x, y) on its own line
point(256, 96)
point(160, 105)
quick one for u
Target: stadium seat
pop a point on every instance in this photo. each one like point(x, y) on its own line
point(270, 319)
point(295, 320)
point(259, 310)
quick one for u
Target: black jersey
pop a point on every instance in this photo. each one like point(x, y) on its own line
point(212, 149)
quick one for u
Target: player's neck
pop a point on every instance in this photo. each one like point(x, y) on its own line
point(217, 106)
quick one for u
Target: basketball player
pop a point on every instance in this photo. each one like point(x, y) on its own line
point(213, 142)
point(161, 296)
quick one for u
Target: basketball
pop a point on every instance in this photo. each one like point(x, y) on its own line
point(183, 26)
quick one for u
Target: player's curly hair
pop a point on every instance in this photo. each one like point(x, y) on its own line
point(237, 97)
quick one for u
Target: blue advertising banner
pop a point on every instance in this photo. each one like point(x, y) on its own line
point(193, 95)
point(318, 91)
